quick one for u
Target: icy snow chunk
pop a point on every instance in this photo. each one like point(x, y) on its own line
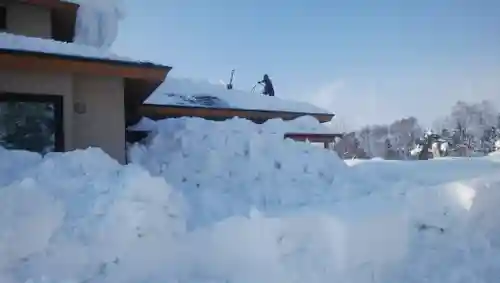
point(97, 22)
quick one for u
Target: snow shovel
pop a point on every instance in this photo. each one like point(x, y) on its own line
point(230, 84)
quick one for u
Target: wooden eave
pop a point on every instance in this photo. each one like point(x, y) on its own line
point(52, 4)
point(158, 112)
point(38, 61)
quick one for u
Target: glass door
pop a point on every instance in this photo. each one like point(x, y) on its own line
point(31, 122)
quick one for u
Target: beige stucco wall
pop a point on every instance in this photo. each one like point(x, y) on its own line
point(101, 125)
point(28, 20)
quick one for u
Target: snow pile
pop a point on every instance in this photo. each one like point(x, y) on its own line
point(226, 168)
point(13, 163)
point(145, 124)
point(97, 22)
point(246, 206)
point(456, 233)
point(175, 91)
point(82, 216)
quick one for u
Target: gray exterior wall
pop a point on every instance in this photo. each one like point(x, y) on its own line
point(28, 20)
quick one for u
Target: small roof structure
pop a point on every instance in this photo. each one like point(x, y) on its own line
point(325, 139)
point(158, 112)
point(314, 137)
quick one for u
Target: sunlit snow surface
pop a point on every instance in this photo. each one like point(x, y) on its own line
point(234, 202)
point(200, 93)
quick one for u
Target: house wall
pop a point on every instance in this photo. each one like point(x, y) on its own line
point(43, 83)
point(103, 122)
point(38, 25)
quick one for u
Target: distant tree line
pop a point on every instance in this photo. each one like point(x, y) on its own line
point(469, 129)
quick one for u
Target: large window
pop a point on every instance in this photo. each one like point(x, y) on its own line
point(31, 122)
point(3, 18)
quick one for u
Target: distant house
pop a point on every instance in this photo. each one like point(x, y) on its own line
point(89, 97)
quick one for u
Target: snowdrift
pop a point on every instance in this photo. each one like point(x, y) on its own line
point(227, 168)
point(82, 216)
point(177, 91)
point(234, 202)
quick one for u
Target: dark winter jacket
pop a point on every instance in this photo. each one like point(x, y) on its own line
point(268, 86)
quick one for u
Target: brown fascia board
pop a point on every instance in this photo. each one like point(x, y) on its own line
point(157, 112)
point(51, 4)
point(39, 61)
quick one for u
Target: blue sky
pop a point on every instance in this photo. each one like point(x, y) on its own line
point(367, 61)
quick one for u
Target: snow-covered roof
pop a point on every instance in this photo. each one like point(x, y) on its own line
point(23, 43)
point(187, 92)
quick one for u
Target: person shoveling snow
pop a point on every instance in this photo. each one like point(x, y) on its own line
point(268, 86)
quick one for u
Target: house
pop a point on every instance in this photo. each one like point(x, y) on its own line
point(91, 97)
point(59, 96)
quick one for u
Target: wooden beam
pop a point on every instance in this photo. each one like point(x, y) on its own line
point(157, 112)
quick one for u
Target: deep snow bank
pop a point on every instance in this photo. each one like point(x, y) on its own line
point(177, 91)
point(226, 168)
point(81, 216)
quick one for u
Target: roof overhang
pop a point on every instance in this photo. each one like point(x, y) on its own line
point(158, 112)
point(141, 79)
point(52, 4)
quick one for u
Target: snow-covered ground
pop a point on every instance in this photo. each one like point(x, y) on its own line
point(234, 202)
point(183, 91)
